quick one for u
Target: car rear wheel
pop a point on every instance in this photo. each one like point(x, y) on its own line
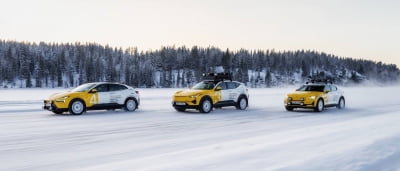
point(341, 104)
point(242, 103)
point(205, 105)
point(320, 106)
point(130, 105)
point(77, 107)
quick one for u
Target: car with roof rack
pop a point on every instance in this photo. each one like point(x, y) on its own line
point(215, 91)
point(317, 95)
point(94, 96)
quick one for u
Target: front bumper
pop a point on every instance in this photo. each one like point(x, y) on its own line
point(185, 101)
point(49, 105)
point(184, 105)
point(300, 104)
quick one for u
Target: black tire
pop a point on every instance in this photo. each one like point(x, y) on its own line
point(77, 107)
point(180, 109)
point(57, 112)
point(130, 105)
point(320, 106)
point(341, 104)
point(289, 108)
point(205, 105)
point(242, 103)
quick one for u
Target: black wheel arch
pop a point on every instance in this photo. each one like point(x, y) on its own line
point(243, 96)
point(320, 98)
point(206, 97)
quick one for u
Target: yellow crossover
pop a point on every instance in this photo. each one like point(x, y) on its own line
point(94, 96)
point(211, 93)
point(316, 96)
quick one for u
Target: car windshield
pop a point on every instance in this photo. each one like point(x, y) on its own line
point(319, 88)
point(205, 85)
point(83, 87)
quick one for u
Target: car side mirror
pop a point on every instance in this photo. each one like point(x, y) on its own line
point(219, 88)
point(93, 91)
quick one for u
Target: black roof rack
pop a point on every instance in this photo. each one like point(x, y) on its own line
point(321, 81)
point(217, 77)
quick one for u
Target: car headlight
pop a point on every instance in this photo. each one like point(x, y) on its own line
point(62, 99)
point(312, 97)
point(302, 99)
point(289, 99)
point(194, 96)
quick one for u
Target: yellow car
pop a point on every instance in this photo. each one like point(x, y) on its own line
point(315, 96)
point(217, 90)
point(94, 96)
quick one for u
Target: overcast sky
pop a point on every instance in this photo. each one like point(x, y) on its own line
point(368, 29)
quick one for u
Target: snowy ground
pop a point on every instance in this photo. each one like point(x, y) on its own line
point(364, 136)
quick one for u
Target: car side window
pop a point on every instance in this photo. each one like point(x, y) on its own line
point(113, 87)
point(122, 87)
point(117, 87)
point(102, 88)
point(327, 88)
point(333, 88)
point(223, 85)
point(231, 85)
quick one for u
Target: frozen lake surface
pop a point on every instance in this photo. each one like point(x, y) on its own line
point(364, 136)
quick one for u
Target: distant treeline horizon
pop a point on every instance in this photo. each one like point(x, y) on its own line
point(29, 64)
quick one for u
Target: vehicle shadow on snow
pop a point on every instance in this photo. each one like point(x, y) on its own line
point(331, 110)
point(219, 111)
point(98, 113)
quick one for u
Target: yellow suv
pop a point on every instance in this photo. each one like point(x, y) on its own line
point(94, 96)
point(315, 95)
point(217, 90)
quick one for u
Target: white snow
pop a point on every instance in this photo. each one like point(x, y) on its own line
point(364, 136)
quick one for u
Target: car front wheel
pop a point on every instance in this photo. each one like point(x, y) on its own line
point(206, 106)
point(320, 106)
point(77, 107)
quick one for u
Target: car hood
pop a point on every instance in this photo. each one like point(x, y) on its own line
point(61, 94)
point(190, 92)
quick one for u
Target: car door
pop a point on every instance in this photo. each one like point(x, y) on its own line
point(335, 94)
point(224, 91)
point(117, 93)
point(103, 95)
point(233, 91)
point(330, 95)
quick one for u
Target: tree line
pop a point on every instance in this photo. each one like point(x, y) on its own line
point(29, 64)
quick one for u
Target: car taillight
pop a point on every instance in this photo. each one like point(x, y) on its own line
point(137, 92)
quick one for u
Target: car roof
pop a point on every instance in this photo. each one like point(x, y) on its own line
point(104, 83)
point(98, 83)
point(319, 84)
point(222, 81)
